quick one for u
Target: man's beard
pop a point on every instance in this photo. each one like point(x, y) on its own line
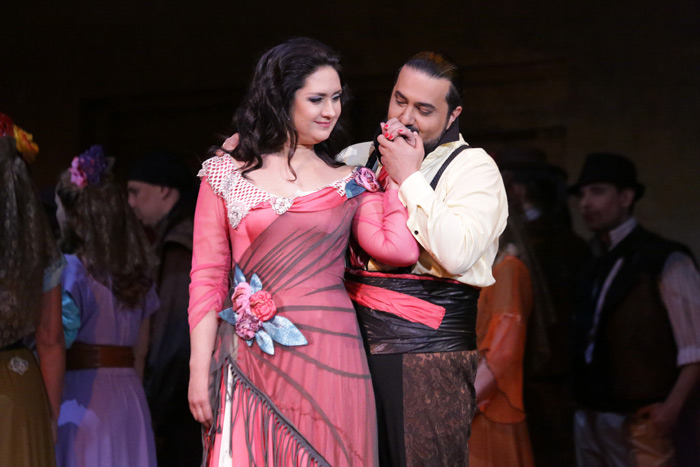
point(431, 144)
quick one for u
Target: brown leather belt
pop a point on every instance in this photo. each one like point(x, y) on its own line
point(85, 356)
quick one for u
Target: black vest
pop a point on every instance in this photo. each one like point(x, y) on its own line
point(634, 358)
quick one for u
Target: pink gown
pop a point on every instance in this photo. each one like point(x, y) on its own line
point(304, 405)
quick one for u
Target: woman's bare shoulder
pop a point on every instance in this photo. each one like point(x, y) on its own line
point(345, 170)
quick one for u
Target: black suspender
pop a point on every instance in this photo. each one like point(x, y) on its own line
point(372, 163)
point(451, 157)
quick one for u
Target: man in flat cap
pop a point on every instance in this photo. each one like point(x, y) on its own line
point(637, 338)
point(162, 193)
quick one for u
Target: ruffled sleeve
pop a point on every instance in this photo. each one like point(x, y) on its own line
point(505, 306)
point(211, 252)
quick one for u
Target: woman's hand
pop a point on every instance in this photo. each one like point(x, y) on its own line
point(198, 396)
point(201, 347)
point(394, 128)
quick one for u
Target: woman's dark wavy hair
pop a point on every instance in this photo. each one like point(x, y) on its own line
point(263, 119)
point(102, 230)
point(27, 246)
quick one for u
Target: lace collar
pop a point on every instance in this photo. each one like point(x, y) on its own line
point(241, 195)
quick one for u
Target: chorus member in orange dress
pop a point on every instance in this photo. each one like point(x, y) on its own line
point(499, 433)
point(288, 383)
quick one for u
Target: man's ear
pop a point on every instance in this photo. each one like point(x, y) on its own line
point(627, 197)
point(453, 116)
point(165, 191)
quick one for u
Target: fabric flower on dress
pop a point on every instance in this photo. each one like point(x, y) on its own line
point(254, 315)
point(247, 324)
point(262, 306)
point(363, 180)
point(241, 295)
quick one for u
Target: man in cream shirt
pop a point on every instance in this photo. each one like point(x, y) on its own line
point(419, 325)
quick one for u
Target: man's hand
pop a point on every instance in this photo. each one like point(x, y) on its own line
point(229, 145)
point(399, 158)
point(663, 416)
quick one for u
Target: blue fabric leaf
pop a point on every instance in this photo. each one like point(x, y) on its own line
point(228, 315)
point(249, 342)
point(352, 189)
point(255, 284)
point(283, 331)
point(238, 276)
point(265, 342)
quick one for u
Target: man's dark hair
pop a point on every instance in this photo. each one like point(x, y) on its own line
point(440, 66)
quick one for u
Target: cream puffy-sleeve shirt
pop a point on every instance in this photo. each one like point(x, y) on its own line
point(458, 223)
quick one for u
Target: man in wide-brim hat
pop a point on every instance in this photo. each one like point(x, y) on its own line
point(637, 338)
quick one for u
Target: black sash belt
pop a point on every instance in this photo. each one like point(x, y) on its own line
point(386, 333)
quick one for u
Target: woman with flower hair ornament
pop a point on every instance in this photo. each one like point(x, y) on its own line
point(30, 301)
point(108, 298)
point(288, 382)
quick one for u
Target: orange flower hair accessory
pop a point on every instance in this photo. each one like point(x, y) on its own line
point(23, 140)
point(26, 145)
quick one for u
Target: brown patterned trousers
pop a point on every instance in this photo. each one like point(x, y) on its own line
point(425, 405)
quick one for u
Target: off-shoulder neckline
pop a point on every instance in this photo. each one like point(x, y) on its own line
point(337, 184)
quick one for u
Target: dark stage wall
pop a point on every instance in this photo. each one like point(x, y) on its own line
point(568, 78)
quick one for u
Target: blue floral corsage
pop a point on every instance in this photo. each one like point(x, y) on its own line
point(363, 180)
point(255, 316)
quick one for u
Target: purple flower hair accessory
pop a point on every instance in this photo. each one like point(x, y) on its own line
point(89, 167)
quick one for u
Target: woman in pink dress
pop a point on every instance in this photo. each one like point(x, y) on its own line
point(288, 382)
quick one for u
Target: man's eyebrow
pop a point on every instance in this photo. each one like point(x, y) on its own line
point(426, 105)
